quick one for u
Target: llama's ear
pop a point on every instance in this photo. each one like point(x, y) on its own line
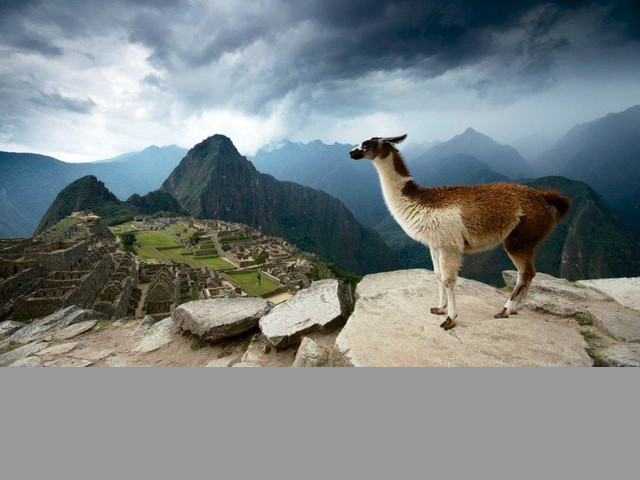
point(395, 140)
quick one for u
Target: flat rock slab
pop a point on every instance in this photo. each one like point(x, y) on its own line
point(68, 362)
point(52, 323)
point(621, 355)
point(21, 352)
point(161, 334)
point(318, 308)
point(625, 291)
point(59, 349)
point(220, 318)
point(391, 326)
point(622, 325)
point(32, 361)
point(9, 327)
point(227, 361)
point(74, 330)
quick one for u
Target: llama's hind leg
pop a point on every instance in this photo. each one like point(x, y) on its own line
point(523, 260)
point(450, 261)
point(442, 303)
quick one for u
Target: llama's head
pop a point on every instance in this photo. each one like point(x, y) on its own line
point(376, 147)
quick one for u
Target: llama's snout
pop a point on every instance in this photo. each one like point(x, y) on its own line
point(356, 154)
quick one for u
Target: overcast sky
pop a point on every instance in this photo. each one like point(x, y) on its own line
point(82, 80)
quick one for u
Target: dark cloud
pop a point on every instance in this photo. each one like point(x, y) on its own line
point(339, 58)
point(60, 102)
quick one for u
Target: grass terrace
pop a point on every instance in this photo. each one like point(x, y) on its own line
point(248, 281)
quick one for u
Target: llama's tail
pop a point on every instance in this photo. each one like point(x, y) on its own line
point(559, 202)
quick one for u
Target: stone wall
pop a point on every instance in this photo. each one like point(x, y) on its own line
point(90, 286)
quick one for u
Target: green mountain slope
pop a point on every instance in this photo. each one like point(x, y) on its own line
point(215, 181)
point(29, 182)
point(88, 193)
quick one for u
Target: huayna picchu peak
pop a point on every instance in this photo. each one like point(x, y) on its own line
point(214, 181)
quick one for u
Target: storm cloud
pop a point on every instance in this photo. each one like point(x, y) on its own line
point(144, 72)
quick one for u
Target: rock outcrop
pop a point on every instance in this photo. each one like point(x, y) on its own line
point(625, 291)
point(220, 318)
point(50, 324)
point(320, 307)
point(391, 326)
point(310, 354)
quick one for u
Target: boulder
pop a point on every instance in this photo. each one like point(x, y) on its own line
point(161, 334)
point(320, 307)
point(310, 354)
point(391, 326)
point(621, 355)
point(220, 318)
point(625, 291)
point(44, 326)
point(9, 327)
point(21, 352)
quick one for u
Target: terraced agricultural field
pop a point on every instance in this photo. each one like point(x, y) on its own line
point(161, 246)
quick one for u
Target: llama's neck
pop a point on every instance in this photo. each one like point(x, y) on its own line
point(394, 176)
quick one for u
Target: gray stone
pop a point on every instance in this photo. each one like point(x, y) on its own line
point(220, 318)
point(622, 325)
point(21, 352)
point(161, 334)
point(74, 330)
point(227, 361)
point(625, 291)
point(391, 326)
point(32, 361)
point(621, 355)
point(145, 324)
point(116, 362)
point(56, 321)
point(320, 307)
point(68, 362)
point(257, 350)
point(59, 349)
point(310, 354)
point(9, 327)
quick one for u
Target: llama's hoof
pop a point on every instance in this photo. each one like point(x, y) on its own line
point(513, 313)
point(502, 314)
point(438, 311)
point(448, 324)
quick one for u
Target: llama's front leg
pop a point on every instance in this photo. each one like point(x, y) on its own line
point(450, 265)
point(442, 303)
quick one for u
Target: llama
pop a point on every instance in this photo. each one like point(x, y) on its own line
point(465, 219)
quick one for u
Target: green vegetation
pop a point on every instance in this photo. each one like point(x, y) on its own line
point(589, 335)
point(127, 241)
point(198, 343)
point(508, 288)
point(248, 281)
point(598, 361)
point(583, 320)
point(321, 270)
point(195, 292)
point(261, 259)
point(161, 246)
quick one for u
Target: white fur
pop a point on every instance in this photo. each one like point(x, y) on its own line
point(434, 227)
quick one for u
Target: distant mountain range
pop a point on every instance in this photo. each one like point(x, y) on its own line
point(605, 154)
point(214, 181)
point(29, 182)
point(88, 193)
